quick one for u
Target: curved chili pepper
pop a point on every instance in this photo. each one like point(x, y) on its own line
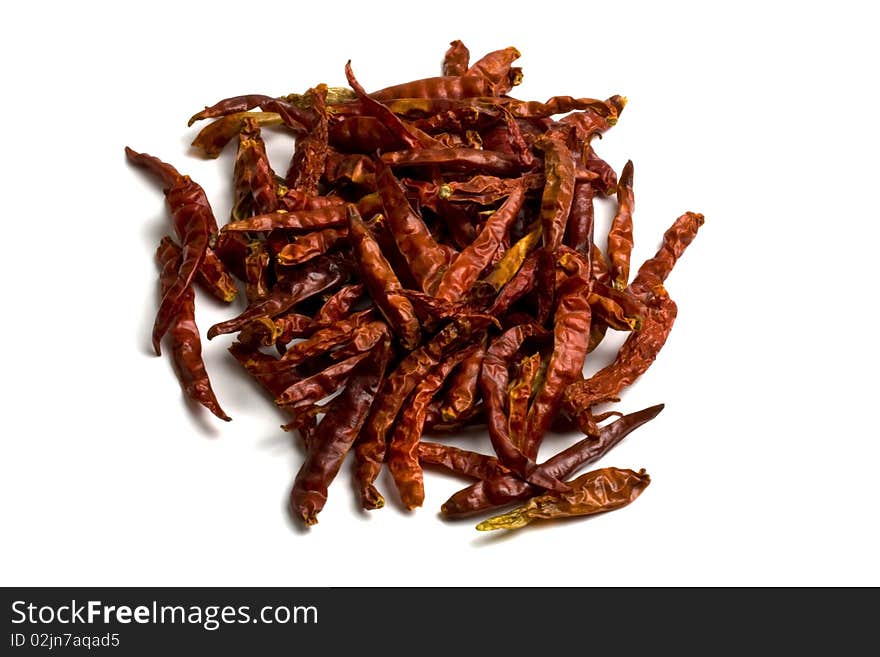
point(495, 68)
point(467, 267)
point(620, 236)
point(336, 434)
point(456, 60)
point(461, 397)
point(306, 281)
point(403, 448)
point(648, 283)
point(331, 216)
point(370, 449)
point(193, 219)
point(425, 259)
point(186, 345)
point(213, 137)
point(381, 281)
point(521, 284)
point(599, 491)
point(504, 489)
point(310, 155)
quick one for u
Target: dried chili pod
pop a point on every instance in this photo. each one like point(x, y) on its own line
point(382, 282)
point(519, 394)
point(310, 245)
point(648, 283)
point(594, 492)
point(339, 304)
point(193, 219)
point(426, 260)
point(331, 216)
point(467, 160)
point(513, 259)
point(336, 434)
point(620, 236)
point(186, 345)
point(461, 461)
point(302, 392)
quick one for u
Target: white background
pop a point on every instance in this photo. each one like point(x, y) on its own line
point(763, 116)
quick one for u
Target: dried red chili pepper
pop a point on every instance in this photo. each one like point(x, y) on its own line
point(461, 397)
point(648, 283)
point(620, 236)
point(599, 491)
point(193, 219)
point(186, 345)
point(461, 461)
point(311, 245)
point(425, 259)
point(339, 304)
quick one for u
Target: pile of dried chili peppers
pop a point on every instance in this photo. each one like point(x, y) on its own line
point(430, 256)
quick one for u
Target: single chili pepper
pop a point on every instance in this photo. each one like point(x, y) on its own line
point(331, 216)
point(381, 281)
point(403, 448)
point(370, 448)
point(214, 136)
point(606, 181)
point(463, 390)
point(192, 217)
point(310, 155)
point(426, 260)
point(456, 159)
point(339, 304)
point(495, 68)
point(470, 263)
point(304, 392)
point(594, 120)
point(635, 356)
point(570, 341)
point(336, 434)
point(648, 283)
point(311, 245)
point(303, 282)
point(504, 489)
point(493, 383)
point(254, 186)
point(594, 492)
point(457, 59)
point(518, 396)
point(460, 461)
point(513, 259)
point(293, 200)
point(186, 345)
point(520, 285)
point(620, 236)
